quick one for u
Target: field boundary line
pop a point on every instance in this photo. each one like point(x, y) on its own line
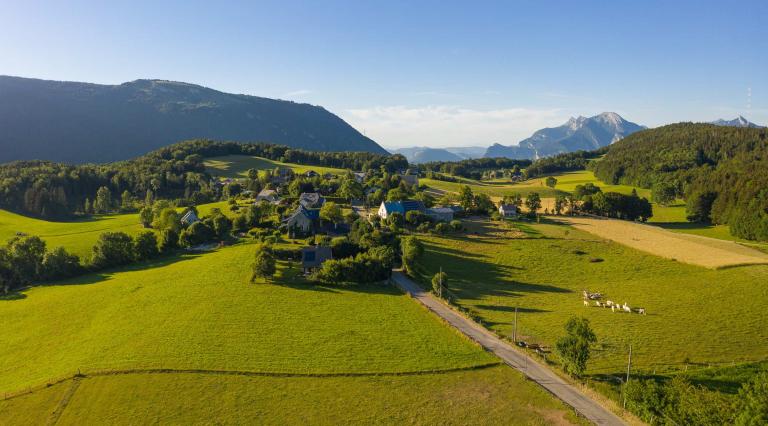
point(64, 401)
point(128, 371)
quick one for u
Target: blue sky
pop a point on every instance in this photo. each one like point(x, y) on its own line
point(435, 73)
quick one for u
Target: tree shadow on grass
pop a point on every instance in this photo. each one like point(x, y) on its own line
point(470, 277)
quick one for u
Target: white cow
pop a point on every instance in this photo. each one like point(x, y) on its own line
point(626, 308)
point(641, 311)
point(586, 303)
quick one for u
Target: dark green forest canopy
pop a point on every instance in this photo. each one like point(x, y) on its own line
point(55, 190)
point(721, 172)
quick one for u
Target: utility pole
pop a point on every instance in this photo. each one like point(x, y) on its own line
point(440, 287)
point(514, 331)
point(629, 366)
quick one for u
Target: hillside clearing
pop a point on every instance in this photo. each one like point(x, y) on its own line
point(237, 166)
point(693, 249)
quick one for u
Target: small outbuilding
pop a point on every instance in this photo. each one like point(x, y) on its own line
point(313, 257)
point(268, 195)
point(508, 210)
point(441, 214)
point(189, 218)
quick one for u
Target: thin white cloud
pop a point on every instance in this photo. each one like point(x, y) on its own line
point(296, 93)
point(444, 125)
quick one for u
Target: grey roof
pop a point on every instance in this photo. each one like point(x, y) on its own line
point(314, 256)
point(508, 207)
point(310, 199)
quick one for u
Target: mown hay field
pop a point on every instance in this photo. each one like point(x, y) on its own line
point(693, 249)
point(200, 312)
point(237, 166)
point(695, 315)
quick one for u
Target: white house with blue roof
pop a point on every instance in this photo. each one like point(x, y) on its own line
point(402, 207)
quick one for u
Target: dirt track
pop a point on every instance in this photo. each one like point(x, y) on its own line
point(693, 249)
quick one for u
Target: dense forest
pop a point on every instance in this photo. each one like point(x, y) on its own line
point(54, 190)
point(566, 162)
point(721, 172)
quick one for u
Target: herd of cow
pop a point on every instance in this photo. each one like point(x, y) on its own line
point(597, 297)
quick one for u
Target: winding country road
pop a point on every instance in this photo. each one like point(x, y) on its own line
point(512, 357)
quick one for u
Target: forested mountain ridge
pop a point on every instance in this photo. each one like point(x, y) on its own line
point(578, 134)
point(721, 171)
point(82, 122)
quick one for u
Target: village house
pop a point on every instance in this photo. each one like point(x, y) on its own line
point(402, 207)
point(311, 200)
point(303, 220)
point(508, 210)
point(268, 195)
point(311, 173)
point(360, 176)
point(189, 218)
point(440, 214)
point(313, 257)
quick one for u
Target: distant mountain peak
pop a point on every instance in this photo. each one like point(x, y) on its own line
point(739, 121)
point(578, 133)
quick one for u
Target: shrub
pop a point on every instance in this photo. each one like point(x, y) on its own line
point(169, 240)
point(112, 249)
point(457, 225)
point(59, 264)
point(195, 234)
point(573, 348)
point(264, 264)
point(145, 246)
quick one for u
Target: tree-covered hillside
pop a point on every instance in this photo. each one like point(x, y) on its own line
point(721, 172)
point(55, 190)
point(80, 122)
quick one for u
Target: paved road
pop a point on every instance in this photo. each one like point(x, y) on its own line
point(514, 358)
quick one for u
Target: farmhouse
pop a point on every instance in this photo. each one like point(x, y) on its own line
point(268, 195)
point(441, 214)
point(402, 207)
point(311, 200)
point(508, 210)
point(311, 173)
point(313, 257)
point(189, 218)
point(302, 219)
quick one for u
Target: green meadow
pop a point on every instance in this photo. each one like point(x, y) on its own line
point(234, 166)
point(695, 316)
point(199, 312)
point(491, 395)
point(79, 235)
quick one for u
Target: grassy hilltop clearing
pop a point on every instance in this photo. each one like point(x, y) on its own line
point(199, 312)
point(79, 235)
point(543, 268)
point(237, 166)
